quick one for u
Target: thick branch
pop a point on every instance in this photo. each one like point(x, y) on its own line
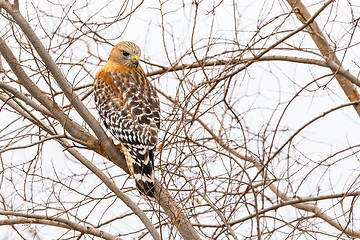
point(212, 64)
point(25, 99)
point(176, 215)
point(328, 64)
point(326, 50)
point(23, 218)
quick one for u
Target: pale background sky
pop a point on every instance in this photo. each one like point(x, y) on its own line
point(268, 85)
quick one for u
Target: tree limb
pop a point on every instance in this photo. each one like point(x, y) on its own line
point(22, 218)
point(326, 50)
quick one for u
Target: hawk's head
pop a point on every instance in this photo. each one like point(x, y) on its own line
point(126, 53)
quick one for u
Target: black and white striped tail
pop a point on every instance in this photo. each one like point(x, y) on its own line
point(143, 165)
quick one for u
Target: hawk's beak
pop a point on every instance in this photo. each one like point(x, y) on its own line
point(136, 60)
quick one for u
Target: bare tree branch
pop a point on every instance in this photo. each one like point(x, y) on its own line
point(328, 64)
point(320, 40)
point(23, 218)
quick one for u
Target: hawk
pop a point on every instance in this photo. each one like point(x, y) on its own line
point(129, 107)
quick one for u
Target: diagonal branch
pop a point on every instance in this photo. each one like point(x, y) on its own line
point(326, 50)
point(25, 99)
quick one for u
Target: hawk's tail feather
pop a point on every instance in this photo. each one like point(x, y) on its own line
point(143, 167)
point(145, 188)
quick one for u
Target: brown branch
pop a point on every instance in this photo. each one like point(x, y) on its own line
point(338, 69)
point(306, 125)
point(23, 218)
point(328, 64)
point(25, 99)
point(217, 211)
point(33, 143)
point(175, 213)
point(199, 64)
point(26, 114)
point(326, 50)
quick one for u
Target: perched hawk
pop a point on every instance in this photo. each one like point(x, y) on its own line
point(129, 107)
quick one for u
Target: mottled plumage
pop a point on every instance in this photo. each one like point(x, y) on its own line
point(129, 107)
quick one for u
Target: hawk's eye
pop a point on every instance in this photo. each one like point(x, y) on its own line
point(125, 53)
